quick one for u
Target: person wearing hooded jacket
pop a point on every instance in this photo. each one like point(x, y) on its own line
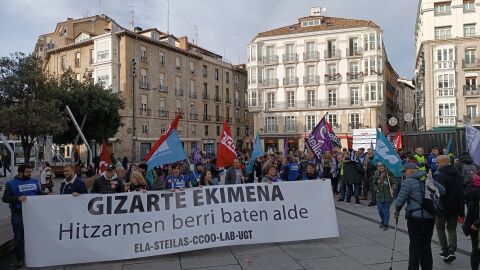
point(420, 222)
point(108, 182)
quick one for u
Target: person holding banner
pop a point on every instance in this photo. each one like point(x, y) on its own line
point(108, 182)
point(72, 184)
point(271, 176)
point(235, 174)
point(311, 174)
point(207, 179)
point(137, 182)
point(384, 184)
point(176, 180)
point(17, 191)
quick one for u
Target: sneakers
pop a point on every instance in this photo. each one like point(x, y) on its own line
point(443, 254)
point(385, 228)
point(371, 204)
point(358, 204)
point(19, 264)
point(340, 200)
point(450, 256)
point(381, 225)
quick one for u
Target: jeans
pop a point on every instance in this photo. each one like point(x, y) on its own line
point(353, 188)
point(335, 185)
point(384, 212)
point(420, 233)
point(18, 236)
point(343, 190)
point(451, 223)
point(475, 254)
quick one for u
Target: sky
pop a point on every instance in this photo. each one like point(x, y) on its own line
point(224, 26)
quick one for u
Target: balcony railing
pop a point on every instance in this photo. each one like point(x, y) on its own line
point(218, 98)
point(316, 104)
point(332, 54)
point(354, 52)
point(333, 78)
point(207, 117)
point(269, 82)
point(471, 90)
point(311, 80)
point(145, 112)
point(270, 60)
point(290, 58)
point(206, 96)
point(193, 95)
point(355, 77)
point(311, 56)
point(163, 89)
point(290, 81)
point(472, 64)
point(162, 113)
point(473, 119)
point(178, 92)
point(218, 118)
point(193, 116)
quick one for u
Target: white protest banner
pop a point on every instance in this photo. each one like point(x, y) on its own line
point(89, 228)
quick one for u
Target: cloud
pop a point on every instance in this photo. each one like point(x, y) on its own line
point(221, 23)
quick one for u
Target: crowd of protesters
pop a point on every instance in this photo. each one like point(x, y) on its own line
point(353, 174)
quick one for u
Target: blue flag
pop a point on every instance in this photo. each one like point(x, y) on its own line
point(449, 144)
point(385, 153)
point(257, 152)
point(169, 151)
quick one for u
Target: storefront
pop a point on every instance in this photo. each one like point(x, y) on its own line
point(270, 144)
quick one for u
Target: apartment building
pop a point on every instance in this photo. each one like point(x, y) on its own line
point(406, 104)
point(300, 72)
point(447, 65)
point(157, 75)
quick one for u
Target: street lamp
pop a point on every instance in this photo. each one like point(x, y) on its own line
point(134, 128)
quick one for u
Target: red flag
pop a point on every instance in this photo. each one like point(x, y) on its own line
point(164, 136)
point(104, 158)
point(226, 148)
point(398, 140)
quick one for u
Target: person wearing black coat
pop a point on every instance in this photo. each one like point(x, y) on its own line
point(72, 184)
point(352, 175)
point(472, 223)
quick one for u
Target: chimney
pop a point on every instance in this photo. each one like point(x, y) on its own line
point(183, 43)
point(70, 28)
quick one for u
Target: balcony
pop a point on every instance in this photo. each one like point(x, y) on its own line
point(355, 77)
point(162, 113)
point(218, 98)
point(290, 58)
point(145, 112)
point(311, 56)
point(178, 92)
point(311, 80)
point(472, 64)
point(471, 90)
point(332, 54)
point(163, 88)
point(270, 60)
point(473, 119)
point(290, 81)
point(333, 78)
point(269, 83)
point(228, 100)
point(193, 116)
point(218, 119)
point(206, 96)
point(354, 52)
point(193, 95)
point(207, 118)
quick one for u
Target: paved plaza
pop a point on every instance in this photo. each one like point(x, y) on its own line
point(361, 245)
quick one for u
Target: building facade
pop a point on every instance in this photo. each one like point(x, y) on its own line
point(447, 65)
point(319, 65)
point(158, 76)
point(406, 104)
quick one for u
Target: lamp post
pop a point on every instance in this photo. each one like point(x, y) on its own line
point(134, 128)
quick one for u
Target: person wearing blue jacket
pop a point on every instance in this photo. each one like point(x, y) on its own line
point(291, 170)
point(17, 191)
point(431, 159)
point(72, 184)
point(420, 223)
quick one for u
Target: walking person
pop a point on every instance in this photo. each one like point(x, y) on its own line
point(384, 184)
point(472, 221)
point(6, 162)
point(420, 222)
point(46, 178)
point(452, 201)
point(17, 191)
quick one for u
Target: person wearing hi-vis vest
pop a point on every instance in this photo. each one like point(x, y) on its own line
point(421, 160)
point(17, 191)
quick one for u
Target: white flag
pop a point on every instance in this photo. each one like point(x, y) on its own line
point(473, 142)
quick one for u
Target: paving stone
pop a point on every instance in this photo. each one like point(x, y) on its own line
point(168, 257)
point(385, 266)
point(337, 263)
point(222, 267)
point(268, 261)
point(372, 254)
point(255, 249)
point(310, 250)
point(207, 258)
point(117, 265)
point(170, 265)
point(348, 238)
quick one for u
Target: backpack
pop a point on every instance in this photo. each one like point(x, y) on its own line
point(431, 200)
point(468, 170)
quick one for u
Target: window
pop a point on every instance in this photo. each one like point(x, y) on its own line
point(371, 41)
point(354, 96)
point(145, 129)
point(162, 82)
point(289, 49)
point(162, 58)
point(373, 92)
point(311, 98)
point(331, 49)
point(253, 53)
point(103, 51)
point(162, 107)
point(253, 99)
point(178, 107)
point(92, 56)
point(290, 72)
point(103, 80)
point(235, 79)
point(192, 68)
point(290, 99)
point(310, 23)
point(472, 111)
point(270, 124)
point(353, 46)
point(445, 85)
point(192, 89)
point(218, 130)
point(442, 8)
point(194, 129)
point(63, 62)
point(77, 76)
point(471, 83)
point(206, 130)
point(445, 58)
point(144, 104)
point(446, 113)
point(353, 68)
point(469, 30)
point(354, 121)
point(143, 53)
point(310, 47)
point(469, 56)
point(205, 90)
point(332, 97)
point(270, 100)
point(144, 82)
point(204, 71)
point(227, 77)
point(177, 63)
point(333, 120)
point(443, 32)
point(468, 6)
point(332, 69)
point(310, 122)
point(178, 86)
point(163, 129)
point(77, 59)
point(217, 92)
point(216, 74)
point(290, 123)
